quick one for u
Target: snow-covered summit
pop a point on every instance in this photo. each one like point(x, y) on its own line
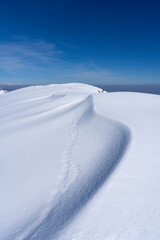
point(76, 164)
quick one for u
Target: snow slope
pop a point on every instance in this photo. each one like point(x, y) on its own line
point(79, 164)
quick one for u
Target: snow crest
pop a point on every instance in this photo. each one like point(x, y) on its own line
point(57, 153)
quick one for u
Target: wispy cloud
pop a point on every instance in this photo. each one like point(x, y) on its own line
point(17, 55)
point(37, 60)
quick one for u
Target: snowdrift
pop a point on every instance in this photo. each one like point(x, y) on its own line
point(3, 91)
point(78, 163)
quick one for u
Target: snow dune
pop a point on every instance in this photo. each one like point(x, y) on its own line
point(65, 151)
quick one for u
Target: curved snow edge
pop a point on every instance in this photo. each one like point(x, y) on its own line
point(74, 199)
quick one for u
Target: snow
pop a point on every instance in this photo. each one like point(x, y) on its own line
point(79, 163)
point(3, 91)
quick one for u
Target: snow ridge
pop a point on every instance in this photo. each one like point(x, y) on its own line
point(76, 164)
point(75, 189)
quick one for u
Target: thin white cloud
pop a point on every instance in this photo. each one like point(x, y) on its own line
point(18, 55)
point(37, 60)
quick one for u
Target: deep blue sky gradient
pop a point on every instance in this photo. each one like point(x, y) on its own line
point(115, 42)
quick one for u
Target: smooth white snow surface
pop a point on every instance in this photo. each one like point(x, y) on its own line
point(76, 164)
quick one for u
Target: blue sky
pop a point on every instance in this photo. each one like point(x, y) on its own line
point(97, 42)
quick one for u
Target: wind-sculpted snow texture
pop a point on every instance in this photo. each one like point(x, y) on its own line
point(61, 148)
